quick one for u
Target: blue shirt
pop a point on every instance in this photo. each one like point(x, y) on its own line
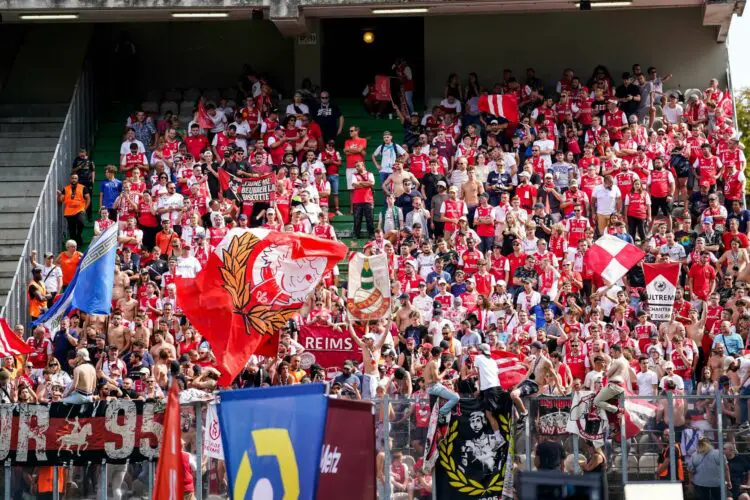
point(743, 217)
point(624, 237)
point(538, 313)
point(732, 343)
point(435, 276)
point(458, 289)
point(111, 189)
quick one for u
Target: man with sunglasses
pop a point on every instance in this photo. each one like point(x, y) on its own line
point(328, 116)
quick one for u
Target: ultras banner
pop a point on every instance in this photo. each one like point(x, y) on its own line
point(57, 434)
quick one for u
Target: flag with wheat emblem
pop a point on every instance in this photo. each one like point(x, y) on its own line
point(473, 461)
point(253, 283)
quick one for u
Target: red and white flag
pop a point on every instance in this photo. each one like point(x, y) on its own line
point(253, 283)
point(510, 368)
point(504, 105)
point(611, 258)
point(661, 287)
point(204, 121)
point(10, 343)
point(170, 475)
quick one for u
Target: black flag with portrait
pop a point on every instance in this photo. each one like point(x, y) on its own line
point(472, 462)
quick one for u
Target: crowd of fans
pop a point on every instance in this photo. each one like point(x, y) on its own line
point(485, 225)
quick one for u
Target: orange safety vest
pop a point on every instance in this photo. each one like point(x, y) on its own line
point(45, 476)
point(73, 203)
point(679, 466)
point(36, 305)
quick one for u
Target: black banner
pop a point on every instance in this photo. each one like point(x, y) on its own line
point(254, 189)
point(552, 415)
point(56, 434)
point(472, 462)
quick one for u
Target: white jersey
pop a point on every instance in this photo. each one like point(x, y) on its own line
point(488, 374)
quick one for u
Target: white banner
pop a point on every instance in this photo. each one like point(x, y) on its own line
point(369, 288)
point(212, 447)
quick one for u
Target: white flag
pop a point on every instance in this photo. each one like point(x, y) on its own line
point(369, 288)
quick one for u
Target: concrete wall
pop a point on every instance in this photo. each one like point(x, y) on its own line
point(209, 54)
point(672, 40)
point(307, 58)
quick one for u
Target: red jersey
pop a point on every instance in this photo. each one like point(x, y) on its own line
point(514, 262)
point(577, 365)
point(469, 260)
point(527, 194)
point(733, 187)
point(497, 266)
point(420, 165)
point(660, 182)
point(454, 209)
point(196, 144)
point(576, 227)
point(588, 183)
point(222, 143)
point(40, 356)
point(638, 205)
point(323, 231)
point(328, 156)
point(136, 160)
point(708, 169)
point(484, 229)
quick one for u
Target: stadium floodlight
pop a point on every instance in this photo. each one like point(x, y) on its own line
point(199, 15)
point(397, 12)
point(47, 17)
point(613, 3)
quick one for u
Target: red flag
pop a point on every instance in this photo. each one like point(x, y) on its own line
point(510, 368)
point(610, 257)
point(253, 283)
point(10, 344)
point(383, 88)
point(504, 105)
point(204, 121)
point(170, 476)
point(224, 179)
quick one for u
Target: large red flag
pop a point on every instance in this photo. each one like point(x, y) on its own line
point(510, 368)
point(503, 105)
point(170, 476)
point(253, 283)
point(10, 344)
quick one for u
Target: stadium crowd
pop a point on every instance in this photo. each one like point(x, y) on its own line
point(485, 226)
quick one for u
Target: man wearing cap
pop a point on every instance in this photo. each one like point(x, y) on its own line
point(490, 392)
point(451, 211)
point(38, 295)
point(371, 349)
point(82, 388)
point(423, 303)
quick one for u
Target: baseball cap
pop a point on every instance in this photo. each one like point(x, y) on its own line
point(48, 255)
point(442, 184)
point(538, 345)
point(242, 217)
point(708, 220)
point(453, 189)
point(484, 349)
point(524, 174)
point(403, 296)
point(369, 336)
point(494, 122)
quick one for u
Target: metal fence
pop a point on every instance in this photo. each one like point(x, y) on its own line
point(47, 225)
point(632, 460)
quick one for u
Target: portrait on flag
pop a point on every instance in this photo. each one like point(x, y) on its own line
point(471, 462)
point(552, 415)
point(369, 287)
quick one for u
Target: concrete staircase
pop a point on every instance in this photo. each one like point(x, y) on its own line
point(28, 136)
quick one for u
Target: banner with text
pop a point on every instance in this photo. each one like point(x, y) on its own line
point(249, 189)
point(326, 346)
point(56, 434)
point(212, 446)
point(552, 415)
point(661, 287)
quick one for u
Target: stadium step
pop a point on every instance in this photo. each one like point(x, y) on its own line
point(18, 220)
point(30, 144)
point(20, 188)
point(15, 159)
point(30, 129)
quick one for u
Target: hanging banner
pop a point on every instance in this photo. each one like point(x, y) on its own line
point(552, 415)
point(586, 420)
point(326, 346)
point(472, 463)
point(347, 461)
point(369, 288)
point(383, 88)
point(212, 447)
point(259, 189)
point(115, 431)
point(661, 287)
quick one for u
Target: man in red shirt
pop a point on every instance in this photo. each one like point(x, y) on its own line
point(354, 149)
point(196, 142)
point(702, 277)
point(734, 232)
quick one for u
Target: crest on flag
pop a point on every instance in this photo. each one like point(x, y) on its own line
point(661, 287)
point(369, 290)
point(611, 258)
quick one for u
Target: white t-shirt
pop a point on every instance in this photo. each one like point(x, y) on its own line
point(546, 145)
point(188, 267)
point(742, 372)
point(487, 369)
point(50, 275)
point(125, 147)
point(673, 114)
point(646, 382)
point(678, 382)
point(606, 199)
point(244, 129)
point(591, 378)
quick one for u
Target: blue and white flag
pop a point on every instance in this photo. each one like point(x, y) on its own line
point(91, 288)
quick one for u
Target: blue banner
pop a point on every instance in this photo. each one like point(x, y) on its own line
point(272, 440)
point(90, 290)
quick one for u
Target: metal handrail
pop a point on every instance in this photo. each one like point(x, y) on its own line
point(46, 228)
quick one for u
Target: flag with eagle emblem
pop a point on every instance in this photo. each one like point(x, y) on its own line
point(369, 288)
point(253, 283)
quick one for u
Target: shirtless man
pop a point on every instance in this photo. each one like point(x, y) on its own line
point(618, 375)
point(395, 182)
point(370, 355)
point(433, 383)
point(82, 388)
point(403, 313)
point(160, 344)
point(128, 305)
point(471, 189)
point(718, 362)
point(539, 369)
point(141, 332)
point(120, 284)
point(118, 335)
